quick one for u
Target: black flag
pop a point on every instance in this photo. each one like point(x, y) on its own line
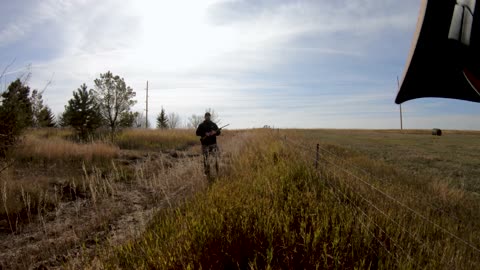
point(445, 56)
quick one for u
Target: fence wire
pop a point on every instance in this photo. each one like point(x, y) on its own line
point(379, 191)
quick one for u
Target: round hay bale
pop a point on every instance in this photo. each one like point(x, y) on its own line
point(436, 132)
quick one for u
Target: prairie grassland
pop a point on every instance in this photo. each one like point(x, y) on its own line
point(81, 195)
point(452, 158)
point(63, 133)
point(156, 140)
point(47, 164)
point(55, 150)
point(274, 210)
point(379, 199)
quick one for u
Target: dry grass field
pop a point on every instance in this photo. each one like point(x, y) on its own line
point(452, 158)
point(60, 198)
point(376, 200)
point(156, 139)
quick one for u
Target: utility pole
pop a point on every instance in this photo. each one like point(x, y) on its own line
point(401, 118)
point(146, 108)
point(401, 115)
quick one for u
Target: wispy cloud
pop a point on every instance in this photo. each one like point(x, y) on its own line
point(283, 63)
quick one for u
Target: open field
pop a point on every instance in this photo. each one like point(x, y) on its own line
point(453, 157)
point(276, 211)
point(378, 199)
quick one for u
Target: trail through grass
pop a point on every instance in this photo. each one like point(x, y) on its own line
point(274, 211)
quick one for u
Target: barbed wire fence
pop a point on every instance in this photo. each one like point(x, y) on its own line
point(322, 157)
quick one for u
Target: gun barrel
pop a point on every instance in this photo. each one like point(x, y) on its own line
point(224, 126)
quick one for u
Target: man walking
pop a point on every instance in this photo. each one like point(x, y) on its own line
point(208, 132)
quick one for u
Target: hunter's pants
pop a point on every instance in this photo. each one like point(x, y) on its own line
point(207, 150)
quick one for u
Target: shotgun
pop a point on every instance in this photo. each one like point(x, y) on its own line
point(203, 138)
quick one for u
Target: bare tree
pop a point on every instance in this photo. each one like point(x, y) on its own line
point(194, 121)
point(37, 106)
point(214, 116)
point(114, 98)
point(173, 120)
point(139, 121)
point(6, 69)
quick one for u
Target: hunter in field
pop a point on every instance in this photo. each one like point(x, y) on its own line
point(208, 132)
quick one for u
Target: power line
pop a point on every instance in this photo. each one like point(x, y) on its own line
point(401, 114)
point(146, 108)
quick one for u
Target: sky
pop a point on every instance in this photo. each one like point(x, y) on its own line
point(286, 64)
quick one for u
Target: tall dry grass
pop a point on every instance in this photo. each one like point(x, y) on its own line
point(46, 133)
point(25, 202)
point(274, 211)
point(29, 200)
point(57, 150)
point(47, 169)
point(269, 213)
point(156, 140)
point(52, 175)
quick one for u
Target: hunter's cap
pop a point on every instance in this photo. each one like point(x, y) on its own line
point(207, 114)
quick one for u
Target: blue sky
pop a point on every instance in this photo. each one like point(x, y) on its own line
point(305, 64)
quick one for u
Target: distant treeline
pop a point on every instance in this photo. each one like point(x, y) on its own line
point(108, 106)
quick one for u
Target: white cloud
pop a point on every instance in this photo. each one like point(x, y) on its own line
point(31, 16)
point(233, 56)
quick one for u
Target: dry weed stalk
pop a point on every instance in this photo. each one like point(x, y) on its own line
point(166, 180)
point(98, 186)
point(42, 210)
point(27, 202)
point(4, 197)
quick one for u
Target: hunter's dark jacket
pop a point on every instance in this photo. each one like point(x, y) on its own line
point(204, 128)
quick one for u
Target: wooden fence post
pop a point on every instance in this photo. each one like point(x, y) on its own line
point(317, 156)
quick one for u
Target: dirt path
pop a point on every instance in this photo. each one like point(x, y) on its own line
point(76, 229)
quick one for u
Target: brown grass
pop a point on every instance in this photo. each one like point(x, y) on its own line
point(47, 133)
point(52, 174)
point(156, 140)
point(60, 150)
point(273, 210)
point(45, 167)
point(452, 157)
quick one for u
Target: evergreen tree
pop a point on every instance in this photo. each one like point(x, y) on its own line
point(16, 100)
point(162, 121)
point(15, 114)
point(82, 112)
point(60, 122)
point(46, 118)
